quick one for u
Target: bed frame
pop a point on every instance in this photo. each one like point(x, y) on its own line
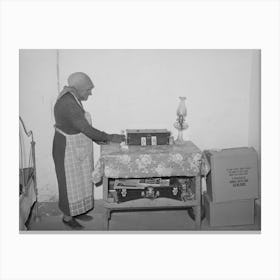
point(28, 193)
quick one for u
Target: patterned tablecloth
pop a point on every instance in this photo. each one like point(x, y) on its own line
point(150, 161)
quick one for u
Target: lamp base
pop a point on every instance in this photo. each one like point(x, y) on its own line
point(180, 127)
point(180, 140)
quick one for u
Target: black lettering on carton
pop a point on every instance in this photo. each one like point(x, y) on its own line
point(238, 177)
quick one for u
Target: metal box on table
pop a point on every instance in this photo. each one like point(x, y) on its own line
point(145, 137)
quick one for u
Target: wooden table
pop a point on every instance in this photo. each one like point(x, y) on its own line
point(151, 161)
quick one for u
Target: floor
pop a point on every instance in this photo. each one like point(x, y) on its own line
point(165, 220)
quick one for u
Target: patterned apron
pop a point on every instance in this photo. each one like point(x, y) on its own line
point(78, 164)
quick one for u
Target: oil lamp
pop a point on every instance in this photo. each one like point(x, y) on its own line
point(180, 123)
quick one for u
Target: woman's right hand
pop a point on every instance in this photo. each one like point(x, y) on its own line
point(117, 138)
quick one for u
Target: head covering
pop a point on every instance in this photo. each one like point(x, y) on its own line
point(76, 81)
point(79, 81)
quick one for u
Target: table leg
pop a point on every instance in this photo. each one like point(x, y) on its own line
point(107, 217)
point(36, 212)
point(197, 208)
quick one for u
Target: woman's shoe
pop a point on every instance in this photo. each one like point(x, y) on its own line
point(73, 224)
point(84, 217)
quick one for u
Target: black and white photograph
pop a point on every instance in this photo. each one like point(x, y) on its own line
point(140, 140)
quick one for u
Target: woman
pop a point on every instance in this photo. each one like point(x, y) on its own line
point(73, 149)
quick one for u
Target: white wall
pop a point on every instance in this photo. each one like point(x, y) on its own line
point(140, 89)
point(254, 133)
point(37, 90)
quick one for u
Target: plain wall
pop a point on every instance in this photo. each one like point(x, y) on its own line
point(140, 89)
point(37, 90)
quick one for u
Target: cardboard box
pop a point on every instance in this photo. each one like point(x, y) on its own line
point(230, 213)
point(233, 175)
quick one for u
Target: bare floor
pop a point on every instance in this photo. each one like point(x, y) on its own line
point(50, 219)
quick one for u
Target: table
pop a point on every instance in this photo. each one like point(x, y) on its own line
point(151, 161)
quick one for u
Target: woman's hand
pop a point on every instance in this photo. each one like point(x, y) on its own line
point(117, 138)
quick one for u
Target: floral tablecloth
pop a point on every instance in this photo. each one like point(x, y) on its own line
point(150, 161)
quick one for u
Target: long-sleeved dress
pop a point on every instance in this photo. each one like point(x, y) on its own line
point(73, 154)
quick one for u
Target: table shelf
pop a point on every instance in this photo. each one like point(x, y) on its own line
point(153, 203)
point(160, 203)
